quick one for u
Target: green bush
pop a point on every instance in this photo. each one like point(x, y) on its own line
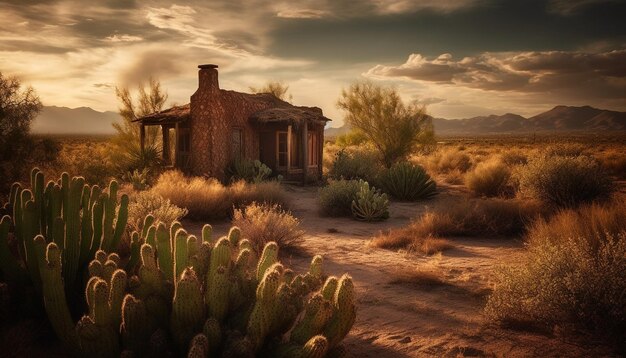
point(252, 171)
point(370, 204)
point(336, 198)
point(405, 181)
point(564, 181)
point(569, 280)
point(355, 164)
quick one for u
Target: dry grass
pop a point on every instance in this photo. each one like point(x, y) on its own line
point(447, 160)
point(210, 199)
point(614, 162)
point(478, 217)
point(262, 223)
point(149, 202)
point(407, 238)
point(595, 223)
point(489, 178)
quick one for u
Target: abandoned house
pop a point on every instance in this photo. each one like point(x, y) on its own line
point(219, 126)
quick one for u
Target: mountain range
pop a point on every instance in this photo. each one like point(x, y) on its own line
point(82, 120)
point(557, 119)
point(85, 120)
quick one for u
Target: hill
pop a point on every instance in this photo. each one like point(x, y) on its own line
point(82, 120)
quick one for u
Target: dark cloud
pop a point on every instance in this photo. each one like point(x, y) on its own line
point(156, 64)
point(574, 75)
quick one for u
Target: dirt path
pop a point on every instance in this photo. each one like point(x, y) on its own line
point(404, 320)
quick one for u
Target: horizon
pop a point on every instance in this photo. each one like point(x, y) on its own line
point(460, 58)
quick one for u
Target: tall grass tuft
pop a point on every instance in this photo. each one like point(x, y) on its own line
point(489, 178)
point(262, 223)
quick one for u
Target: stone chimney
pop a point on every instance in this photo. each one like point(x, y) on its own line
point(207, 79)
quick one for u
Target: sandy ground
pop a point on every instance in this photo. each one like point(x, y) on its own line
point(403, 320)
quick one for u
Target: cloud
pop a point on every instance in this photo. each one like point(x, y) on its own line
point(569, 74)
point(156, 63)
point(569, 7)
point(123, 38)
point(429, 100)
point(302, 14)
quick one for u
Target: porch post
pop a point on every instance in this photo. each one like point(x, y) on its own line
point(288, 149)
point(176, 145)
point(142, 137)
point(165, 130)
point(305, 151)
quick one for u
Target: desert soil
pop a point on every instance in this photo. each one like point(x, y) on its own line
point(417, 320)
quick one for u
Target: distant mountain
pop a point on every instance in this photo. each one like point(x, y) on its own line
point(82, 120)
point(336, 131)
point(559, 118)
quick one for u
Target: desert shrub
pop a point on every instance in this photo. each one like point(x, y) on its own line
point(150, 203)
point(405, 181)
point(568, 280)
point(594, 222)
point(89, 160)
point(406, 238)
point(489, 178)
point(614, 163)
point(252, 171)
point(448, 160)
point(514, 157)
point(336, 198)
point(564, 181)
point(352, 138)
point(370, 203)
point(565, 149)
point(355, 163)
point(210, 199)
point(478, 217)
point(137, 178)
point(269, 192)
point(263, 223)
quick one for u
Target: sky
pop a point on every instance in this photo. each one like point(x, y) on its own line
point(460, 58)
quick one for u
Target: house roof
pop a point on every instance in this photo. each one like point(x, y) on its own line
point(280, 111)
point(168, 116)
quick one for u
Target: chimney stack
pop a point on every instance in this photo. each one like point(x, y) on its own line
point(207, 78)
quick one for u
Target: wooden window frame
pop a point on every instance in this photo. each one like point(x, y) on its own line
point(242, 139)
point(278, 152)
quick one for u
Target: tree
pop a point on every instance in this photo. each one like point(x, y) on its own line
point(128, 154)
point(276, 88)
point(380, 115)
point(18, 107)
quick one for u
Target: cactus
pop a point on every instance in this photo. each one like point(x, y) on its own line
point(370, 204)
point(187, 308)
point(199, 347)
point(406, 181)
point(344, 312)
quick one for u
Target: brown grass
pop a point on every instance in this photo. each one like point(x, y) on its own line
point(210, 199)
point(477, 217)
point(489, 178)
point(262, 223)
point(418, 278)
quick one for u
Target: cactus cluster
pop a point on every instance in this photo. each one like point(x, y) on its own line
point(198, 296)
point(80, 219)
point(370, 204)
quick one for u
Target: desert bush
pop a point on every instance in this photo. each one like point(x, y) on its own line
point(352, 138)
point(356, 163)
point(210, 199)
point(477, 217)
point(89, 160)
point(336, 198)
point(564, 181)
point(405, 181)
point(448, 160)
point(567, 279)
point(150, 203)
point(370, 203)
point(489, 178)
point(406, 238)
point(138, 179)
point(262, 223)
point(565, 149)
point(614, 163)
point(252, 171)
point(514, 157)
point(593, 222)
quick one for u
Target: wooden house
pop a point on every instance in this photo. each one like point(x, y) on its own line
point(220, 126)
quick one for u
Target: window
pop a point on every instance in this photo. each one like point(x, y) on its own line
point(281, 142)
point(313, 149)
point(237, 144)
